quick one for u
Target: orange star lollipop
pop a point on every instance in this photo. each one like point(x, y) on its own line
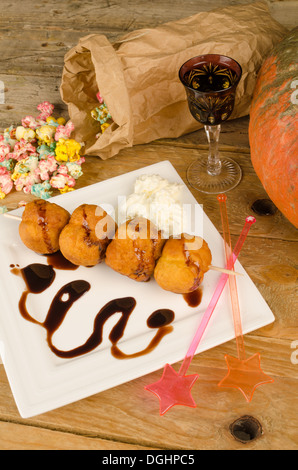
point(243, 374)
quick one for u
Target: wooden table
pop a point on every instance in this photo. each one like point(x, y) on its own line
point(33, 40)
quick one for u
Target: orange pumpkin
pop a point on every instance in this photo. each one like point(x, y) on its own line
point(273, 127)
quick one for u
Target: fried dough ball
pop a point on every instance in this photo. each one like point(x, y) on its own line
point(135, 248)
point(41, 224)
point(84, 240)
point(182, 265)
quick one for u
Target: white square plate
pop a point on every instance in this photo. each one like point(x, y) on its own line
point(41, 381)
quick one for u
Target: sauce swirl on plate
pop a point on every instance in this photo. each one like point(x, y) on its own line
point(39, 277)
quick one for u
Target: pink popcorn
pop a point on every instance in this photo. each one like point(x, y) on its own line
point(46, 109)
point(80, 161)
point(4, 151)
point(99, 97)
point(71, 182)
point(46, 167)
point(63, 132)
point(25, 182)
point(22, 149)
point(27, 189)
point(30, 121)
point(57, 181)
point(6, 183)
point(60, 180)
point(63, 170)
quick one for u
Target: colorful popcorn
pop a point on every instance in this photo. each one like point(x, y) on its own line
point(46, 134)
point(30, 121)
point(3, 209)
point(4, 151)
point(39, 155)
point(46, 110)
point(42, 190)
point(6, 183)
point(67, 150)
point(64, 131)
point(47, 167)
point(74, 169)
point(101, 113)
point(25, 133)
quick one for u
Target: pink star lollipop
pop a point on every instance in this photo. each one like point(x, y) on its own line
point(175, 388)
point(244, 374)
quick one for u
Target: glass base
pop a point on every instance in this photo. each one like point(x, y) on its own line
point(228, 179)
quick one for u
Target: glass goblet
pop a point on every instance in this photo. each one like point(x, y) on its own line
point(210, 82)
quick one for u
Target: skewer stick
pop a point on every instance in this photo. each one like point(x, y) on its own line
point(225, 271)
point(12, 216)
point(214, 268)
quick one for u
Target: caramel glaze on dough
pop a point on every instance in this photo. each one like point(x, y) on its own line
point(84, 240)
point(41, 226)
point(183, 263)
point(135, 248)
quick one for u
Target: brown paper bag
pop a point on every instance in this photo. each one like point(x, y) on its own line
point(138, 76)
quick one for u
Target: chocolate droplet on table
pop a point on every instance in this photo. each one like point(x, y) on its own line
point(264, 207)
point(246, 429)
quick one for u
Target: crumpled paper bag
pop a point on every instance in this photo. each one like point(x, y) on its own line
point(138, 76)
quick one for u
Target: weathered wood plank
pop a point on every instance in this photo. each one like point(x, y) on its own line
point(23, 93)
point(285, 12)
point(233, 136)
point(42, 44)
point(121, 15)
point(19, 437)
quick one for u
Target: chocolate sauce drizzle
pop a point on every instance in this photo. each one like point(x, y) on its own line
point(85, 225)
point(39, 277)
point(58, 261)
point(42, 222)
point(196, 269)
point(193, 299)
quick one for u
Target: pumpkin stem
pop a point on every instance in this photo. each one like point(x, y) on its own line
point(213, 163)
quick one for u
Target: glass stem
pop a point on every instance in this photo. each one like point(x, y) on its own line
point(213, 163)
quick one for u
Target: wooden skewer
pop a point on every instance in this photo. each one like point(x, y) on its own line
point(214, 268)
point(12, 216)
point(226, 271)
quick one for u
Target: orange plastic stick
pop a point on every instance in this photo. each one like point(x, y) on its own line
point(232, 280)
point(244, 374)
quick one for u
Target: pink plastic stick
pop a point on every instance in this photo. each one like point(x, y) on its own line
point(217, 293)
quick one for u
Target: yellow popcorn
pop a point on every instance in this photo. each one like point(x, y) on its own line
point(66, 189)
point(104, 126)
point(67, 150)
point(2, 195)
point(46, 133)
point(61, 121)
point(15, 176)
point(53, 122)
point(24, 133)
